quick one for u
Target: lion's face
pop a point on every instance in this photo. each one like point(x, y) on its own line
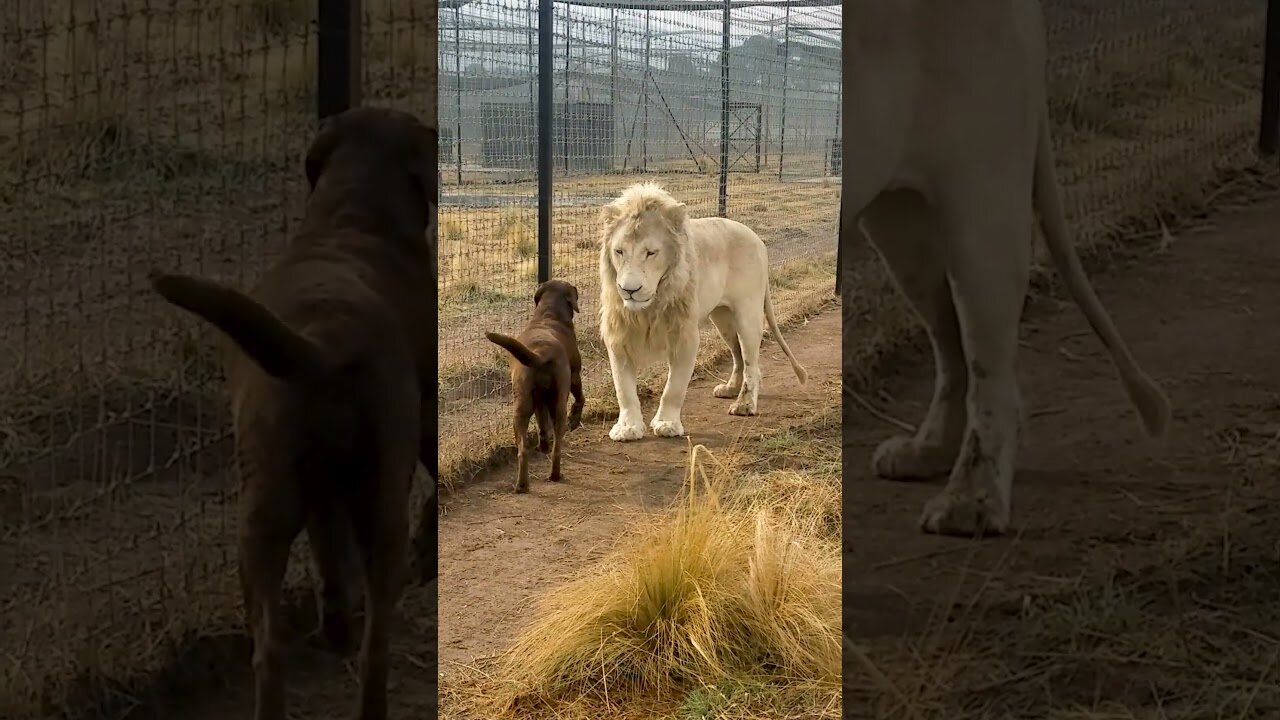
point(641, 250)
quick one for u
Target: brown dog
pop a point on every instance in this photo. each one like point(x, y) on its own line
point(545, 369)
point(331, 373)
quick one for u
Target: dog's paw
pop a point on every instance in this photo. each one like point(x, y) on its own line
point(625, 431)
point(667, 428)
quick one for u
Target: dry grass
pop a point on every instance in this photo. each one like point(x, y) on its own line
point(1193, 638)
point(478, 433)
point(728, 605)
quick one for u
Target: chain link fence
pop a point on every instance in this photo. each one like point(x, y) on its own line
point(639, 93)
point(141, 134)
point(1155, 109)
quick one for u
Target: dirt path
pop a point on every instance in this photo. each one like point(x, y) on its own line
point(1204, 320)
point(499, 550)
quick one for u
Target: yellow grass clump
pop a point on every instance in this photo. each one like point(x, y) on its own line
point(725, 588)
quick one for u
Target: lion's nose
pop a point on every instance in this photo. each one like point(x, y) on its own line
point(631, 290)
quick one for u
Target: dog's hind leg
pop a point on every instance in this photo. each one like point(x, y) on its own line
point(546, 427)
point(332, 548)
point(557, 442)
point(521, 428)
point(382, 532)
point(271, 517)
point(579, 400)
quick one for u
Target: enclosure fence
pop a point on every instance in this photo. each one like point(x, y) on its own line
point(169, 134)
point(141, 134)
point(734, 107)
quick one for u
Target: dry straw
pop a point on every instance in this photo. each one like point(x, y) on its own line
point(730, 585)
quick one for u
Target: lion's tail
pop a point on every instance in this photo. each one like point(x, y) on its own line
point(1150, 401)
point(274, 346)
point(801, 375)
point(518, 350)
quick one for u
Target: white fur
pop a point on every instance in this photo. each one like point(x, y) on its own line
point(661, 273)
point(947, 160)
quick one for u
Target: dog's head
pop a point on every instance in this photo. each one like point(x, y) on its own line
point(385, 140)
point(559, 297)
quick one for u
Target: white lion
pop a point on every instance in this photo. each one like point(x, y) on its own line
point(947, 158)
point(661, 273)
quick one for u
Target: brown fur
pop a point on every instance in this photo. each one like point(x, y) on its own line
point(546, 368)
point(331, 373)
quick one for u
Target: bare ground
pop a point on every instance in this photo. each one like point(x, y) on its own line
point(948, 624)
point(499, 550)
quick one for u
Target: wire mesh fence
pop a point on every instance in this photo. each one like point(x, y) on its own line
point(134, 135)
point(1155, 111)
point(641, 91)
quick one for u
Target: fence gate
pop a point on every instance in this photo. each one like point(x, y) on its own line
point(744, 137)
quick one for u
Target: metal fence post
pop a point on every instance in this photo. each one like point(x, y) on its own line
point(457, 81)
point(1269, 133)
point(338, 62)
point(725, 29)
point(786, 60)
point(546, 53)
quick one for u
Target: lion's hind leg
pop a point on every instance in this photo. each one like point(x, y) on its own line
point(908, 235)
point(750, 324)
point(722, 317)
point(988, 262)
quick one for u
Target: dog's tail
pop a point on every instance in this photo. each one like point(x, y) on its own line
point(517, 349)
point(275, 347)
point(801, 375)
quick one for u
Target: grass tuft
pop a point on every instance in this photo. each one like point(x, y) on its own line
point(727, 587)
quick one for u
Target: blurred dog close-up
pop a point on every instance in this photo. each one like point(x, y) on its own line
point(330, 370)
point(546, 368)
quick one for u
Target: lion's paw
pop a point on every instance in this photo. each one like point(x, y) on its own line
point(623, 431)
point(949, 513)
point(667, 428)
point(904, 458)
point(743, 408)
point(725, 390)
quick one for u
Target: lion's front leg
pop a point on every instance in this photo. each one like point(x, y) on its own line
point(682, 355)
point(630, 425)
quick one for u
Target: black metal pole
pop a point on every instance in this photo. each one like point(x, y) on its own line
point(839, 248)
point(457, 75)
point(546, 97)
point(644, 89)
point(725, 28)
point(338, 69)
point(786, 61)
point(1269, 134)
point(564, 111)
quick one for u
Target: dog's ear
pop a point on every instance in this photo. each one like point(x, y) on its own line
point(676, 215)
point(537, 294)
point(573, 298)
point(322, 146)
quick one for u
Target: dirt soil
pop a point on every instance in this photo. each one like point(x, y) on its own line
point(499, 550)
point(1090, 496)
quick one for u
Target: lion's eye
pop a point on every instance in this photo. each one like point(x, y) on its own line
point(650, 253)
point(617, 252)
